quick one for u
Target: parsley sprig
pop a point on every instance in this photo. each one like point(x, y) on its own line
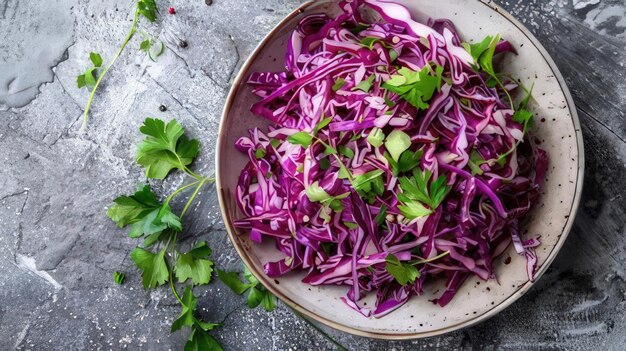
point(145, 8)
point(416, 87)
point(407, 272)
point(417, 194)
point(257, 293)
point(483, 56)
point(164, 149)
point(306, 139)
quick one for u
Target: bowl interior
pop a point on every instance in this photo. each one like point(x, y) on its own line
point(557, 130)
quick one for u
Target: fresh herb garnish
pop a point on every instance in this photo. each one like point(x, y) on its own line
point(376, 137)
point(339, 83)
point(416, 193)
point(406, 272)
point(119, 277)
point(316, 193)
point(145, 8)
point(396, 143)
point(365, 85)
point(165, 148)
point(370, 185)
point(416, 87)
point(89, 78)
point(152, 48)
point(382, 215)
point(301, 138)
point(257, 293)
point(522, 116)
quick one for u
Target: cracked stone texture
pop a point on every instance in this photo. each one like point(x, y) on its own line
point(58, 250)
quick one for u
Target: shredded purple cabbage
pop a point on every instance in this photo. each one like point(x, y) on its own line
point(465, 135)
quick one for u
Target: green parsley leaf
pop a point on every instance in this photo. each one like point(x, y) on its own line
point(413, 209)
point(409, 160)
point(344, 173)
point(153, 267)
point(260, 153)
point(339, 83)
point(393, 55)
point(322, 124)
point(145, 45)
point(351, 225)
point(156, 50)
point(186, 318)
point(363, 182)
point(144, 213)
point(396, 143)
point(365, 85)
point(275, 143)
point(376, 137)
point(486, 58)
point(200, 340)
point(316, 193)
point(147, 8)
point(523, 117)
point(165, 148)
point(269, 301)
point(476, 50)
point(96, 59)
point(169, 218)
point(195, 265)
point(475, 161)
point(369, 42)
point(300, 138)
point(119, 277)
point(416, 192)
point(80, 81)
point(247, 275)
point(415, 87)
point(131, 209)
point(254, 297)
point(324, 163)
point(257, 294)
point(382, 215)
point(336, 205)
point(232, 280)
point(524, 103)
point(345, 151)
point(392, 164)
point(404, 273)
point(89, 77)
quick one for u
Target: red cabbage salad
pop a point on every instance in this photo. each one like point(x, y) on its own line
point(396, 156)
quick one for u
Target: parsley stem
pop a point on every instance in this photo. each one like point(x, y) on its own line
point(179, 190)
point(130, 34)
point(334, 153)
point(191, 173)
point(193, 196)
point(171, 242)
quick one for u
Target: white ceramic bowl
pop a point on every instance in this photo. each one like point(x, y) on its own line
point(476, 301)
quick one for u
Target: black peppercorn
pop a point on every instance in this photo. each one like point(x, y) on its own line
point(208, 2)
point(183, 44)
point(162, 108)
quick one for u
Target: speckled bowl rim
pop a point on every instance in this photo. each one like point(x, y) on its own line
point(403, 336)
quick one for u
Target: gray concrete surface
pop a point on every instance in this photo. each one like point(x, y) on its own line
point(58, 250)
